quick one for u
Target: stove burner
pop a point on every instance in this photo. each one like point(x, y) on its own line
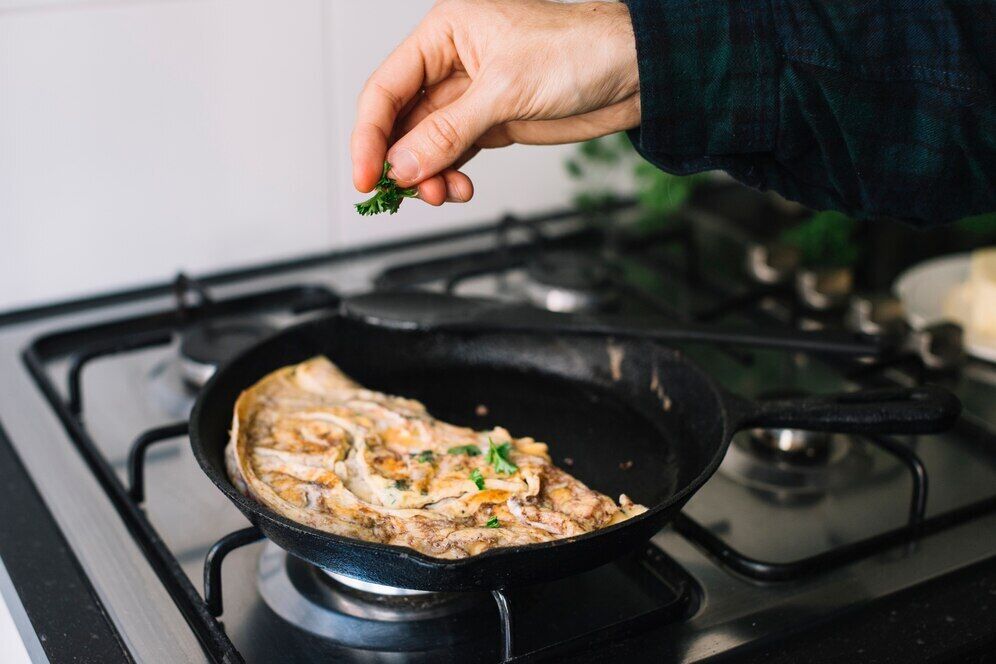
point(792, 461)
point(207, 345)
point(791, 464)
point(567, 281)
point(837, 462)
point(348, 612)
point(792, 445)
point(373, 588)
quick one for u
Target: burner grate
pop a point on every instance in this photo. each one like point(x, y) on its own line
point(770, 571)
point(677, 597)
point(83, 346)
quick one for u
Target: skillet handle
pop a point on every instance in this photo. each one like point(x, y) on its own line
point(925, 409)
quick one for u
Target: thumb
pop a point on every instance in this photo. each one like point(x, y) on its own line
point(441, 138)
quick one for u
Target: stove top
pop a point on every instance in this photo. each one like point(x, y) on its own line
point(793, 528)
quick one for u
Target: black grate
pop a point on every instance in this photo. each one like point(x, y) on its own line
point(84, 345)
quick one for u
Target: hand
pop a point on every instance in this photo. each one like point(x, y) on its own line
point(488, 73)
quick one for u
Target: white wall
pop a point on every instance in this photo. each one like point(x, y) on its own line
point(141, 137)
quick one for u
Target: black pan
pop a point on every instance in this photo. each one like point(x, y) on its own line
point(601, 403)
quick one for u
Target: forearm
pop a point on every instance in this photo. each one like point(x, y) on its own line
point(857, 106)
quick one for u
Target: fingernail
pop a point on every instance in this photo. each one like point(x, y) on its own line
point(404, 165)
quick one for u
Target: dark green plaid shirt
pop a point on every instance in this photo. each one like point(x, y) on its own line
point(872, 107)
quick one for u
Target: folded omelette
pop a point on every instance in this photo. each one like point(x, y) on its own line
point(311, 444)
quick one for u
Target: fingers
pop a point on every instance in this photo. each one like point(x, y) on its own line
point(441, 138)
point(435, 97)
point(385, 94)
point(433, 190)
point(459, 188)
point(450, 186)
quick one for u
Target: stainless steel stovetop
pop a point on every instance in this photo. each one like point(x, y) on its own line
point(771, 544)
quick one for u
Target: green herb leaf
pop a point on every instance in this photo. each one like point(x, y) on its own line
point(498, 458)
point(826, 240)
point(401, 485)
point(424, 457)
point(387, 196)
point(493, 522)
point(469, 450)
point(478, 478)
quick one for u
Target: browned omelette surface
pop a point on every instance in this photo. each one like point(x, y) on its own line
point(311, 444)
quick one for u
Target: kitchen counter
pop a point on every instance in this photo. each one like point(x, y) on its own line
point(49, 611)
point(13, 649)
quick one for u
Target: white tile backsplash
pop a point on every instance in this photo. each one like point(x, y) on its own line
point(139, 138)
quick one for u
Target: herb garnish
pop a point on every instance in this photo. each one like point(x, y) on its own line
point(401, 485)
point(425, 456)
point(498, 458)
point(478, 478)
point(493, 522)
point(469, 450)
point(387, 196)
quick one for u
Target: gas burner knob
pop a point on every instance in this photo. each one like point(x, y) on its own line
point(772, 263)
point(939, 346)
point(876, 314)
point(824, 289)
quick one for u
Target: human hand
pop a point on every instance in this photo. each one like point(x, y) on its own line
point(488, 73)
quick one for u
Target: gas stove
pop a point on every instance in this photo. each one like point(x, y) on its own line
point(795, 531)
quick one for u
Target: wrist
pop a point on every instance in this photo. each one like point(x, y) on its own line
point(623, 41)
point(617, 50)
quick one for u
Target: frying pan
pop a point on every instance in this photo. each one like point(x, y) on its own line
point(635, 416)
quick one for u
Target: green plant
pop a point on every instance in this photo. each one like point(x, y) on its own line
point(825, 240)
point(659, 192)
point(982, 224)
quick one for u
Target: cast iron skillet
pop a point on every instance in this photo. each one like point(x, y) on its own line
point(599, 402)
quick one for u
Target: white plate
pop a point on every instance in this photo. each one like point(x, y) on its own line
point(922, 290)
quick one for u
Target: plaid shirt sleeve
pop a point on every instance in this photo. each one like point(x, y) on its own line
point(871, 107)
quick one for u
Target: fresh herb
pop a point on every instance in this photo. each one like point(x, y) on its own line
point(478, 478)
point(387, 196)
point(498, 458)
point(659, 193)
point(983, 224)
point(826, 240)
point(424, 457)
point(401, 485)
point(469, 450)
point(493, 522)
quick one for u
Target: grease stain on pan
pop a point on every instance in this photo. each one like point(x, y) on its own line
point(656, 388)
point(616, 356)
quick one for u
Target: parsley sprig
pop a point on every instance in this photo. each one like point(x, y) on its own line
point(469, 450)
point(424, 456)
point(493, 522)
point(387, 196)
point(498, 457)
point(478, 479)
